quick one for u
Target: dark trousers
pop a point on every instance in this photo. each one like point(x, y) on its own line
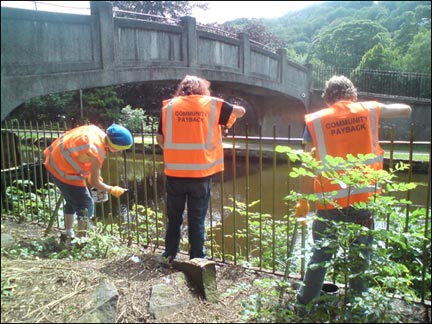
point(193, 193)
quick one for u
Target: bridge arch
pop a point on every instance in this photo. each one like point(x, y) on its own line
point(44, 53)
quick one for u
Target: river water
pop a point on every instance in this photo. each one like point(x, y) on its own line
point(265, 181)
point(261, 183)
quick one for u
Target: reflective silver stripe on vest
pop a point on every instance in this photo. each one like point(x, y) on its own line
point(373, 117)
point(192, 167)
point(61, 173)
point(187, 146)
point(335, 194)
point(322, 150)
point(67, 156)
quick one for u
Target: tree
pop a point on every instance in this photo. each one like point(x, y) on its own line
point(345, 44)
point(134, 119)
point(367, 77)
point(406, 33)
point(417, 58)
point(380, 57)
point(102, 106)
point(255, 28)
point(57, 107)
point(167, 9)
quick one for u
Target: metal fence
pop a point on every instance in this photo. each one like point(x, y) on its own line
point(395, 83)
point(248, 222)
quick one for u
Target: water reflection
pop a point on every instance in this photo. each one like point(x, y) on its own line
point(267, 182)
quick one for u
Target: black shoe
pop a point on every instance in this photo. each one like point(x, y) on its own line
point(300, 310)
point(165, 261)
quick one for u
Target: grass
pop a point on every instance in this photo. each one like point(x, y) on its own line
point(402, 152)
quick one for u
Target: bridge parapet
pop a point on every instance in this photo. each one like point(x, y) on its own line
point(44, 52)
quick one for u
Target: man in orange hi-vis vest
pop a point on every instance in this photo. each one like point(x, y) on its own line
point(345, 127)
point(78, 155)
point(190, 134)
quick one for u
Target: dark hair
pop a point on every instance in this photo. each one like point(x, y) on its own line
point(193, 85)
point(339, 88)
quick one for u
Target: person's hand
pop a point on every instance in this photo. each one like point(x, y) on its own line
point(117, 191)
point(302, 208)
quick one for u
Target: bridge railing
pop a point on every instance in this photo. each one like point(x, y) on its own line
point(177, 21)
point(394, 83)
point(249, 221)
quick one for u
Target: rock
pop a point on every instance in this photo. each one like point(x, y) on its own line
point(104, 305)
point(7, 241)
point(169, 295)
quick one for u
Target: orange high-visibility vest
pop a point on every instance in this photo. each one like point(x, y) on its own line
point(62, 156)
point(192, 136)
point(345, 128)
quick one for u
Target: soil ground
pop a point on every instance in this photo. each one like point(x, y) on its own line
point(59, 290)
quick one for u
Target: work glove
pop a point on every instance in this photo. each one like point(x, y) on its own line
point(302, 209)
point(117, 191)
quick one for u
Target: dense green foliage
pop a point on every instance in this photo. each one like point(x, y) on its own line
point(100, 106)
point(347, 32)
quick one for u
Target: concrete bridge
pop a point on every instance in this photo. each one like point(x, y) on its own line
point(44, 53)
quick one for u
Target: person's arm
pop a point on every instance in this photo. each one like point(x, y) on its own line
point(394, 110)
point(95, 178)
point(160, 140)
point(230, 113)
point(159, 136)
point(238, 111)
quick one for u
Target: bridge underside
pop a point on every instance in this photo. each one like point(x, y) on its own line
point(276, 113)
point(265, 107)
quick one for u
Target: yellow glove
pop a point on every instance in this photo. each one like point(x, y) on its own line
point(302, 208)
point(117, 191)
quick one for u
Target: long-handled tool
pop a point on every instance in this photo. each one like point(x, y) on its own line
point(289, 254)
point(54, 215)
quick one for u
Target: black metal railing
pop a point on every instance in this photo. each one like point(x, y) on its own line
point(394, 83)
point(238, 230)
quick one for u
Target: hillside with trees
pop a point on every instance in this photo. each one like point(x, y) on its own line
point(385, 35)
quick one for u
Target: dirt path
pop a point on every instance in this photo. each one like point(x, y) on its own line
point(44, 290)
point(58, 290)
